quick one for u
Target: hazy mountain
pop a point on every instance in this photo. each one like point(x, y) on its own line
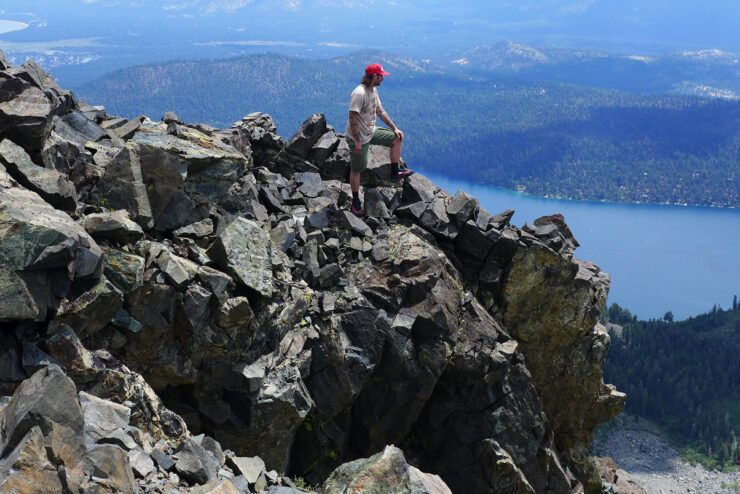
point(712, 73)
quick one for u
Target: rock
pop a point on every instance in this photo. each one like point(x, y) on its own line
point(463, 207)
point(250, 467)
point(336, 166)
point(536, 306)
point(83, 125)
point(375, 204)
point(196, 230)
point(163, 460)
point(179, 271)
point(27, 469)
point(4, 64)
point(111, 463)
point(102, 417)
point(107, 378)
point(25, 113)
point(502, 219)
point(125, 131)
point(170, 117)
point(235, 312)
point(554, 232)
point(244, 250)
point(47, 401)
point(124, 270)
point(258, 131)
point(185, 181)
point(355, 224)
point(92, 310)
point(387, 471)
point(418, 188)
point(113, 123)
point(53, 187)
point(94, 113)
point(213, 447)
point(435, 219)
point(324, 147)
point(141, 464)
point(34, 359)
point(44, 254)
point(310, 184)
point(218, 486)
point(122, 187)
point(307, 136)
point(115, 226)
point(195, 463)
point(218, 282)
point(11, 370)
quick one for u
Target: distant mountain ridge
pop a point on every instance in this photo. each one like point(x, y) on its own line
point(546, 138)
point(680, 72)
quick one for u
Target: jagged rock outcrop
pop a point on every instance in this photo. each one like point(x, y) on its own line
point(214, 282)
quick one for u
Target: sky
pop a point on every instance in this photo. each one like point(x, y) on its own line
point(406, 27)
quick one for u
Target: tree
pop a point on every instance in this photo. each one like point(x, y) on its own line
point(668, 316)
point(734, 302)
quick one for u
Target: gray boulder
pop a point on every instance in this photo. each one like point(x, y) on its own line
point(386, 472)
point(195, 463)
point(244, 250)
point(52, 186)
point(121, 186)
point(115, 226)
point(307, 136)
point(48, 401)
point(185, 181)
point(25, 113)
point(46, 254)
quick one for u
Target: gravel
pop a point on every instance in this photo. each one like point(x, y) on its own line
point(656, 467)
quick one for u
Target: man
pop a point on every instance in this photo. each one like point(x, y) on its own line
point(364, 106)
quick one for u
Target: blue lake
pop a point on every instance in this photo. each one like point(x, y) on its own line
point(660, 258)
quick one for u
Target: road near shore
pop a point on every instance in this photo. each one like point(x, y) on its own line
point(656, 467)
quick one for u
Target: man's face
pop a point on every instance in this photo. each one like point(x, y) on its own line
point(377, 79)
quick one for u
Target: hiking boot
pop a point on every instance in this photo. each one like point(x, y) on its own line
point(403, 173)
point(357, 207)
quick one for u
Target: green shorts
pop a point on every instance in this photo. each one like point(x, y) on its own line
point(381, 136)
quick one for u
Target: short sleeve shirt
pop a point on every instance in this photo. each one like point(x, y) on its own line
point(365, 101)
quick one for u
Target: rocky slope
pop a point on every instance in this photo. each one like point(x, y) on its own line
point(213, 282)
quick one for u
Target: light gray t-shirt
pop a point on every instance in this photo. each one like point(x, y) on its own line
point(366, 102)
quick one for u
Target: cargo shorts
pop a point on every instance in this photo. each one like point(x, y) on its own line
point(381, 136)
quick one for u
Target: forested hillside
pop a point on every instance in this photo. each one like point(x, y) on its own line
point(683, 375)
point(544, 138)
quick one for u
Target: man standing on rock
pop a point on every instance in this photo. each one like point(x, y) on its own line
point(364, 105)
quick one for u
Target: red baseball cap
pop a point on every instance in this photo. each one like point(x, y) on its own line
point(375, 68)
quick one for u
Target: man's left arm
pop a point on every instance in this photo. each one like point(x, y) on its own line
point(383, 115)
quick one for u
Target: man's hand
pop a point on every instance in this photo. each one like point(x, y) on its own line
point(399, 134)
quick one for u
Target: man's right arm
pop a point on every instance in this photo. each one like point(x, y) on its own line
point(355, 131)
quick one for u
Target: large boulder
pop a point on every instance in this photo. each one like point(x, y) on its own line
point(552, 304)
point(51, 185)
point(184, 181)
point(44, 255)
point(48, 403)
point(121, 185)
point(25, 112)
point(245, 251)
point(386, 472)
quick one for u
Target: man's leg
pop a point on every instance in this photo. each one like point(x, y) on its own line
point(357, 165)
point(396, 150)
point(386, 137)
